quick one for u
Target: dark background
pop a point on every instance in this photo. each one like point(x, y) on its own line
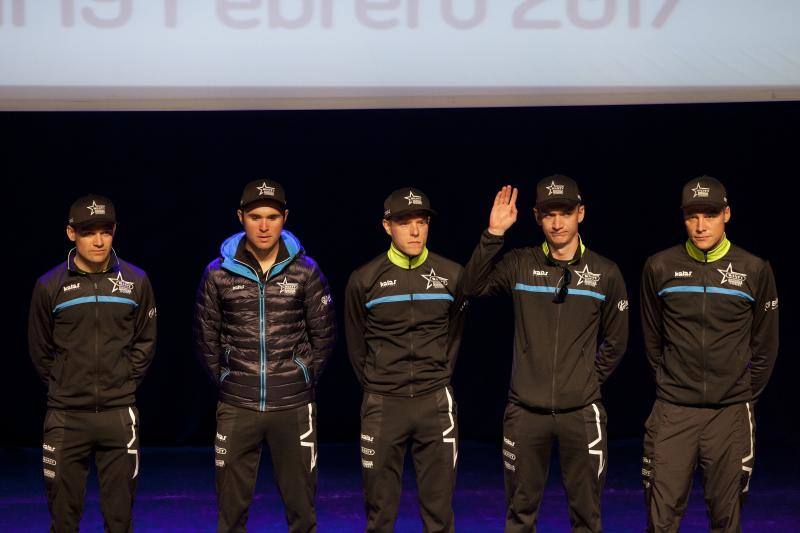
point(175, 179)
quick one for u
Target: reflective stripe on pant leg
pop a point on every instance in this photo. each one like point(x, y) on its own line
point(598, 442)
point(133, 451)
point(450, 440)
point(747, 461)
point(310, 443)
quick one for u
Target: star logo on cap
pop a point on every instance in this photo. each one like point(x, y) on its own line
point(437, 282)
point(96, 209)
point(587, 278)
point(701, 192)
point(413, 199)
point(120, 285)
point(265, 190)
point(554, 188)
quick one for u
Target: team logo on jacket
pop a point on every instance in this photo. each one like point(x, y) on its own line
point(288, 288)
point(683, 273)
point(265, 190)
point(326, 300)
point(554, 188)
point(622, 305)
point(541, 273)
point(771, 305)
point(413, 199)
point(96, 209)
point(71, 287)
point(388, 283)
point(587, 278)
point(120, 285)
point(437, 282)
point(701, 192)
point(730, 277)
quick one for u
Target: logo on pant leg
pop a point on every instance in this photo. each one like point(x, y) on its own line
point(367, 438)
point(508, 441)
point(220, 451)
point(46, 447)
point(47, 460)
point(366, 464)
point(223, 438)
point(367, 451)
point(49, 473)
point(219, 463)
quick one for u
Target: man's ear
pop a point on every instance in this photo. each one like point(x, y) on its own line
point(537, 216)
point(240, 215)
point(387, 227)
point(727, 214)
point(581, 213)
point(285, 216)
point(71, 233)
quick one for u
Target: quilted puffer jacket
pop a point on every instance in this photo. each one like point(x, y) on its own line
point(264, 337)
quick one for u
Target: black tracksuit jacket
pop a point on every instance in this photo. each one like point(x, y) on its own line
point(558, 364)
point(404, 321)
point(92, 336)
point(264, 339)
point(710, 324)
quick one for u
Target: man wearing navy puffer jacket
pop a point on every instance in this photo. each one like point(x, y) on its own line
point(264, 326)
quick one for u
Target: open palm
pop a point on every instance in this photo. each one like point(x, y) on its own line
point(504, 210)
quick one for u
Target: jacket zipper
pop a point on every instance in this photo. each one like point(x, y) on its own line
point(703, 334)
point(555, 357)
point(262, 344)
point(411, 331)
point(96, 349)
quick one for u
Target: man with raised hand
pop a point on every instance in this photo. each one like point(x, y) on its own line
point(570, 332)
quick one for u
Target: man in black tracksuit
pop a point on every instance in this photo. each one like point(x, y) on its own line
point(404, 317)
point(264, 327)
point(92, 336)
point(710, 319)
point(571, 328)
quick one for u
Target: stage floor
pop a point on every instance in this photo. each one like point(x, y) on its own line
point(176, 493)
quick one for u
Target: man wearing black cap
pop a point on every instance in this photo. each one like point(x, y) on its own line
point(264, 327)
point(571, 328)
point(92, 336)
point(404, 317)
point(710, 319)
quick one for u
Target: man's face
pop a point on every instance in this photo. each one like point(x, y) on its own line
point(706, 225)
point(92, 243)
point(263, 223)
point(409, 233)
point(559, 223)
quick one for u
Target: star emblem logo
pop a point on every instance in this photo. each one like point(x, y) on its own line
point(701, 192)
point(413, 199)
point(265, 190)
point(96, 209)
point(286, 287)
point(120, 285)
point(587, 278)
point(730, 277)
point(554, 188)
point(437, 282)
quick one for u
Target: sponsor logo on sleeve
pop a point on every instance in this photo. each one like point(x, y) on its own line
point(622, 305)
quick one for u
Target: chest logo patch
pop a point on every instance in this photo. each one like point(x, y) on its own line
point(730, 277)
point(437, 282)
point(587, 278)
point(72, 287)
point(288, 288)
point(388, 283)
point(540, 273)
point(683, 273)
point(120, 285)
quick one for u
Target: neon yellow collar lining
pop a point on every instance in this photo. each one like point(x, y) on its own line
point(546, 250)
point(715, 254)
point(403, 261)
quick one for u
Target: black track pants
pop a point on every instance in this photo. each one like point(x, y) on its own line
point(679, 438)
point(583, 451)
point(70, 439)
point(291, 435)
point(388, 426)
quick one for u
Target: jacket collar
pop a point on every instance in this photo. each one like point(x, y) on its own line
point(715, 254)
point(579, 253)
point(113, 262)
point(405, 261)
point(232, 263)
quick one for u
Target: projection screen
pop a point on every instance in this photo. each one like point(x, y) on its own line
point(297, 54)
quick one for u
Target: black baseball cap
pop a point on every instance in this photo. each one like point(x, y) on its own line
point(557, 190)
point(91, 209)
point(406, 200)
point(263, 189)
point(704, 191)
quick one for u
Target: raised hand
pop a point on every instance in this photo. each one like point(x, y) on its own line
point(504, 210)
